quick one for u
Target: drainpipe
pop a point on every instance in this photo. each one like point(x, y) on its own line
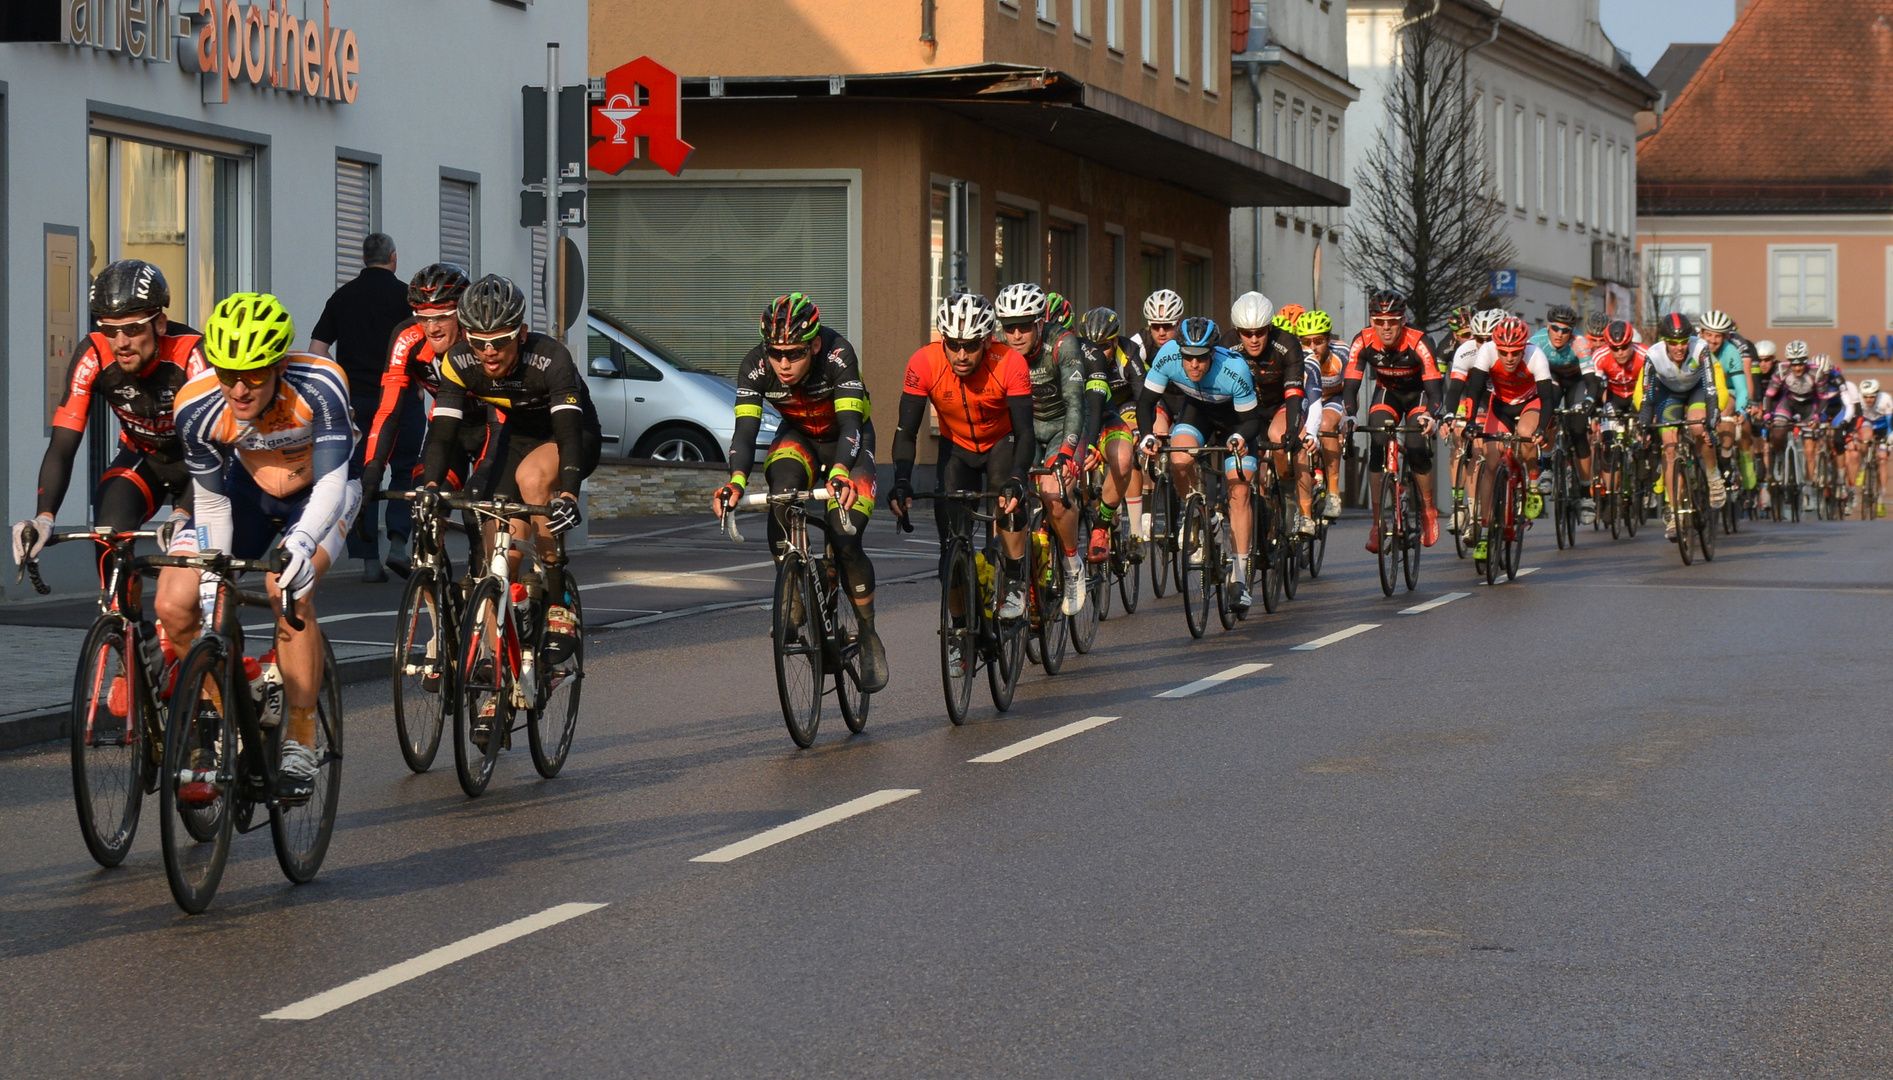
point(926, 23)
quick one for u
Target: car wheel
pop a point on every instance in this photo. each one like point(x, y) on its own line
point(680, 444)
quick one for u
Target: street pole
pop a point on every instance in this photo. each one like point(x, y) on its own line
point(555, 234)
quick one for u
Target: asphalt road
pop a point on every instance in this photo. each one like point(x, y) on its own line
point(1618, 818)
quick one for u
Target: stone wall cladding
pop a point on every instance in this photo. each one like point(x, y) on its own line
point(641, 487)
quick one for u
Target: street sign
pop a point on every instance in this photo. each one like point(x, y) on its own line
point(642, 116)
point(532, 209)
point(572, 100)
point(1504, 283)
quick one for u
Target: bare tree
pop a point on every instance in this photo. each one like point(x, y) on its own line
point(1424, 218)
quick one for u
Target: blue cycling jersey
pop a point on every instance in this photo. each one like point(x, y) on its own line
point(1731, 359)
point(1226, 383)
point(1564, 362)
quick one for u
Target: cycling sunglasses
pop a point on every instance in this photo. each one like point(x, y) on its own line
point(1557, 329)
point(793, 352)
point(490, 342)
point(254, 378)
point(129, 328)
point(971, 345)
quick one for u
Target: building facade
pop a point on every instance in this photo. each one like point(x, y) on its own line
point(1292, 96)
point(1556, 105)
point(1791, 243)
point(879, 156)
point(250, 151)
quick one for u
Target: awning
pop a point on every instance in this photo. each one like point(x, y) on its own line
point(1049, 107)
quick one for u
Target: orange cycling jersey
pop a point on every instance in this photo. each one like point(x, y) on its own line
point(972, 411)
point(305, 432)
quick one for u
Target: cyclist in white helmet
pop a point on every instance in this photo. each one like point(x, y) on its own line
point(1876, 409)
point(1055, 363)
point(1163, 313)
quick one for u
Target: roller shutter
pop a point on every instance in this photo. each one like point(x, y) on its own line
point(354, 216)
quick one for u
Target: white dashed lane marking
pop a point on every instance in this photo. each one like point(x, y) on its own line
point(1338, 635)
point(772, 837)
point(1047, 738)
point(1217, 679)
point(1441, 601)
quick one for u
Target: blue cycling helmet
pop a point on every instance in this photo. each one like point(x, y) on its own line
point(1197, 336)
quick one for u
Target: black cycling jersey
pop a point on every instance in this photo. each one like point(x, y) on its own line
point(1279, 374)
point(829, 404)
point(1112, 379)
point(142, 402)
point(543, 397)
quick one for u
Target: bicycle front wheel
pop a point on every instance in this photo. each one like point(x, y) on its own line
point(302, 832)
point(1563, 526)
point(110, 754)
point(1008, 643)
point(1197, 581)
point(1084, 625)
point(423, 679)
point(551, 726)
point(1389, 526)
point(797, 639)
point(1052, 629)
point(1318, 548)
point(483, 707)
point(1127, 559)
point(196, 786)
point(1288, 559)
point(1160, 549)
point(959, 630)
point(1409, 542)
point(1705, 519)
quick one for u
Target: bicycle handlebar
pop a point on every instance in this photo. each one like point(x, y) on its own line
point(30, 568)
point(218, 563)
point(760, 499)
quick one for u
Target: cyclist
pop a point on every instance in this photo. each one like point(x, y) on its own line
point(550, 441)
point(1847, 426)
point(1466, 413)
point(1446, 343)
point(1113, 376)
point(1056, 365)
point(982, 395)
point(1163, 312)
point(1876, 409)
point(1575, 378)
point(1678, 384)
point(1717, 331)
point(268, 437)
point(1794, 396)
point(1322, 430)
point(1285, 379)
point(1219, 403)
point(1755, 431)
point(1619, 365)
point(1406, 387)
point(1521, 382)
point(135, 362)
point(811, 375)
point(415, 355)
point(1592, 344)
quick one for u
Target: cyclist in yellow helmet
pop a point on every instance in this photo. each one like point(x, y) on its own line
point(267, 436)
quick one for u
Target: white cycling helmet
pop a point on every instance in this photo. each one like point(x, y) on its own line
point(1717, 321)
point(965, 316)
point(1764, 348)
point(1869, 388)
point(1163, 306)
point(1823, 365)
point(1251, 311)
point(1023, 300)
point(1797, 350)
point(1484, 322)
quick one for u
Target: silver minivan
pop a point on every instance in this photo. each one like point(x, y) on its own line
point(652, 404)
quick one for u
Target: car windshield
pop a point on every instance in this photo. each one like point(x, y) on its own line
point(667, 356)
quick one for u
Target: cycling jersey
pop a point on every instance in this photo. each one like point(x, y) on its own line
point(412, 365)
point(144, 404)
point(1879, 412)
point(1331, 373)
point(1697, 369)
point(1057, 371)
point(1113, 377)
point(1734, 379)
point(1517, 384)
point(1849, 398)
point(1225, 393)
point(972, 411)
point(829, 404)
point(1408, 367)
point(1620, 378)
point(296, 452)
point(543, 398)
point(1282, 375)
point(1566, 363)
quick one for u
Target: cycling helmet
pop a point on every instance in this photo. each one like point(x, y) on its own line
point(1163, 306)
point(1023, 300)
point(1251, 311)
point(1596, 324)
point(1387, 302)
point(1197, 336)
point(1823, 365)
point(965, 316)
point(248, 331)
point(1312, 323)
point(1869, 388)
point(1058, 313)
point(1563, 315)
point(1458, 319)
point(1618, 334)
point(436, 289)
point(1511, 333)
point(492, 304)
point(129, 287)
point(1289, 316)
point(1484, 322)
point(1673, 327)
point(1765, 349)
point(1797, 352)
point(1100, 326)
point(1716, 320)
point(790, 320)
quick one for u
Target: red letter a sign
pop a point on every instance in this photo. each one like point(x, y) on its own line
point(642, 98)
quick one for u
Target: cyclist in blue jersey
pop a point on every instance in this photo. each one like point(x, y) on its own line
point(1219, 405)
point(1717, 332)
point(1574, 377)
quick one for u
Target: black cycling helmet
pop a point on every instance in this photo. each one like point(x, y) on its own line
point(1387, 302)
point(1563, 315)
point(129, 287)
point(492, 304)
point(1673, 327)
point(1618, 334)
point(1197, 336)
point(790, 320)
point(1100, 326)
point(1596, 323)
point(437, 288)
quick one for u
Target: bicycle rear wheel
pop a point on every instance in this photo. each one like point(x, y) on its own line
point(1389, 528)
point(1008, 645)
point(301, 833)
point(1084, 625)
point(797, 642)
point(1053, 633)
point(551, 726)
point(1318, 548)
point(200, 761)
point(1288, 561)
point(1705, 520)
point(1128, 559)
point(423, 679)
point(959, 633)
point(483, 707)
point(1159, 549)
point(1409, 542)
point(849, 696)
point(1195, 559)
point(1224, 565)
point(110, 755)
point(1562, 526)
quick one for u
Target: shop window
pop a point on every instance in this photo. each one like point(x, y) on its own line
point(1193, 285)
point(354, 215)
point(460, 223)
point(183, 209)
point(1012, 244)
point(1801, 286)
point(1677, 279)
point(1064, 261)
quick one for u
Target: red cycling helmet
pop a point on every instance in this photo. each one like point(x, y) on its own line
point(1511, 334)
point(1618, 334)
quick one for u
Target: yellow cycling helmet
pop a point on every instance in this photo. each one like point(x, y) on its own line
point(1312, 323)
point(248, 331)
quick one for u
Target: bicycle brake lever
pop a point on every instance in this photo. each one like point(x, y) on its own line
point(729, 527)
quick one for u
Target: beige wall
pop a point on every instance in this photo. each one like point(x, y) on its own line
point(857, 37)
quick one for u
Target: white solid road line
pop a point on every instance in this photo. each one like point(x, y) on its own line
point(1026, 746)
point(1338, 635)
point(1217, 679)
point(1437, 602)
point(772, 837)
point(1522, 573)
point(349, 993)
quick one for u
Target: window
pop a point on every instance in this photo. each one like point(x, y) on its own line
point(1048, 11)
point(1275, 139)
point(1677, 279)
point(1801, 286)
point(1628, 172)
point(1538, 157)
point(1065, 262)
point(354, 215)
point(1147, 31)
point(1156, 266)
point(1118, 286)
point(1193, 285)
point(1180, 39)
point(1578, 179)
point(1564, 148)
point(1518, 157)
point(937, 199)
point(1596, 222)
point(1498, 149)
point(185, 210)
point(1012, 240)
point(1114, 25)
point(1610, 191)
point(460, 223)
point(1210, 38)
point(1294, 137)
point(1081, 18)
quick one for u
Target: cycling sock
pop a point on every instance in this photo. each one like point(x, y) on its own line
point(1242, 567)
point(1135, 507)
point(1107, 514)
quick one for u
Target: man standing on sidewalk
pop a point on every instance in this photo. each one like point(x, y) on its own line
point(355, 329)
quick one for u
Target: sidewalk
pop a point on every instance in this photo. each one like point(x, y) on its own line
point(632, 572)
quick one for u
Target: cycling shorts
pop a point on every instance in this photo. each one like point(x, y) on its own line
point(510, 448)
point(1502, 417)
point(258, 518)
point(1394, 401)
point(1212, 427)
point(134, 486)
point(815, 459)
point(1672, 406)
point(1118, 425)
point(967, 470)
